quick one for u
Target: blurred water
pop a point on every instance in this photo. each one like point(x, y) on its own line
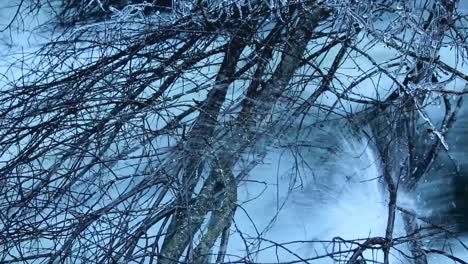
point(337, 194)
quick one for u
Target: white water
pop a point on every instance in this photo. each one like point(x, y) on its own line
point(339, 196)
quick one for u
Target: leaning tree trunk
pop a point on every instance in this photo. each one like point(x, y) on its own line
point(238, 138)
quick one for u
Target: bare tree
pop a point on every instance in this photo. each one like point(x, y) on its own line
point(125, 139)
